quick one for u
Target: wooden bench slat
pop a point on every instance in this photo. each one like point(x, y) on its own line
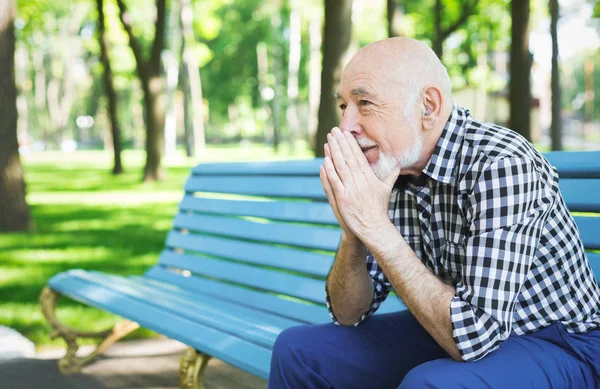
point(308, 167)
point(270, 303)
point(589, 230)
point(229, 348)
point(262, 301)
point(255, 253)
point(278, 282)
point(580, 194)
point(320, 238)
point(290, 187)
point(292, 211)
point(578, 164)
point(257, 327)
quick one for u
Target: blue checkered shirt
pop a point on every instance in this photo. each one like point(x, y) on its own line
point(487, 217)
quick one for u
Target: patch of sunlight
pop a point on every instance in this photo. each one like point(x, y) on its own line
point(9, 275)
point(102, 198)
point(72, 254)
point(113, 223)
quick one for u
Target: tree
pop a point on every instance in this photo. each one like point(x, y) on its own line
point(442, 33)
point(556, 124)
point(519, 94)
point(109, 89)
point(336, 40)
point(393, 16)
point(14, 211)
point(190, 84)
point(153, 85)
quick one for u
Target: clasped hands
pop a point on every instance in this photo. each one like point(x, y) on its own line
point(357, 197)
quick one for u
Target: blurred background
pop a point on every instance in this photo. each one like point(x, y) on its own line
point(106, 104)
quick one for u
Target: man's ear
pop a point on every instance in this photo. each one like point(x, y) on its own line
point(432, 107)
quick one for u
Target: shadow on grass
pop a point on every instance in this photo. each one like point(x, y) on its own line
point(112, 239)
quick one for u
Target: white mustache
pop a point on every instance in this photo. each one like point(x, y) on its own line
point(365, 143)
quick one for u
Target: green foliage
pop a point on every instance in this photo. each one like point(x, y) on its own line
point(484, 32)
point(232, 71)
point(488, 31)
point(86, 218)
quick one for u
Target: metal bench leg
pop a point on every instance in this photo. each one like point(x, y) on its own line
point(191, 369)
point(71, 363)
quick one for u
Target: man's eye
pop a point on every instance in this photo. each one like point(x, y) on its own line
point(364, 102)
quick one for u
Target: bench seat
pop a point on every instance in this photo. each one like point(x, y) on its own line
point(207, 315)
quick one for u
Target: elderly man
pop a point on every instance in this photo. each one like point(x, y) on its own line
point(466, 223)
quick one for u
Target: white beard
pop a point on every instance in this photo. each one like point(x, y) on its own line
point(386, 163)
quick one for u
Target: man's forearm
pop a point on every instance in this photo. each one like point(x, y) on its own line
point(349, 286)
point(425, 295)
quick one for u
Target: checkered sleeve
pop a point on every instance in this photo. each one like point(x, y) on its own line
point(381, 288)
point(507, 208)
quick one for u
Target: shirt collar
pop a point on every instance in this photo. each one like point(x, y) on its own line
point(441, 166)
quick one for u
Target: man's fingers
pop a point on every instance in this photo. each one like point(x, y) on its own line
point(332, 177)
point(361, 160)
point(329, 193)
point(338, 159)
point(326, 186)
point(345, 148)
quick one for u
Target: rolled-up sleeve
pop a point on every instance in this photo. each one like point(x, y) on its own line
point(507, 209)
point(381, 289)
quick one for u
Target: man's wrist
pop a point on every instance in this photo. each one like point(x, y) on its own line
point(351, 240)
point(378, 233)
point(382, 239)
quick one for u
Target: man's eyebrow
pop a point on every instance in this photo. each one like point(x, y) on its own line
point(361, 91)
point(358, 91)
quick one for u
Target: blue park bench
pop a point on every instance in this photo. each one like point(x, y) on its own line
point(246, 258)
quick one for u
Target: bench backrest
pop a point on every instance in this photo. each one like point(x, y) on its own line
point(579, 183)
point(263, 233)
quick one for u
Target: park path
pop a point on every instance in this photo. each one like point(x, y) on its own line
point(145, 364)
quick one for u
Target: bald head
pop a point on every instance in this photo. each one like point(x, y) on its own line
point(403, 62)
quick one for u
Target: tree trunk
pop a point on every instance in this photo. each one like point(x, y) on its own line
point(276, 101)
point(14, 211)
point(438, 39)
point(314, 78)
point(295, 33)
point(184, 86)
point(336, 40)
point(393, 18)
point(155, 120)
point(556, 125)
point(191, 85)
point(153, 85)
point(520, 70)
point(109, 89)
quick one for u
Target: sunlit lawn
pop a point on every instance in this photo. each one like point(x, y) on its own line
point(86, 218)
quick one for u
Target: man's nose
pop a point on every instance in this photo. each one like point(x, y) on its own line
point(351, 121)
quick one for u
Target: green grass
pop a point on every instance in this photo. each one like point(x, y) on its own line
point(86, 218)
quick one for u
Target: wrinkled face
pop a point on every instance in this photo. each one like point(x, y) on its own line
point(382, 120)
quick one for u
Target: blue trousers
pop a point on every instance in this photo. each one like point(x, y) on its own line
point(394, 351)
